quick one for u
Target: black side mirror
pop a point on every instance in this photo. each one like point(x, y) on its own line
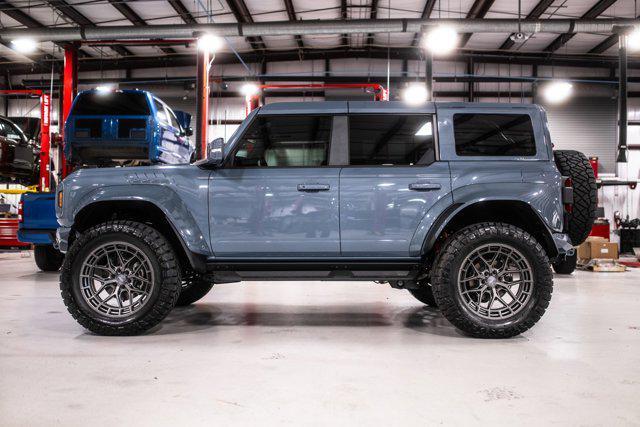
point(215, 152)
point(188, 131)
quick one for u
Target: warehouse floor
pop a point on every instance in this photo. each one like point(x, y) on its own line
point(314, 353)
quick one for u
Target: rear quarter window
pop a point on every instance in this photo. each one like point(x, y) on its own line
point(494, 135)
point(111, 104)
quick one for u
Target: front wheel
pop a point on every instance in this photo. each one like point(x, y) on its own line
point(120, 278)
point(492, 280)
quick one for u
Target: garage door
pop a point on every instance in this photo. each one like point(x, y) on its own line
point(588, 125)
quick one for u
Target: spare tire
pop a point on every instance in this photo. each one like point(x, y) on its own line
point(575, 165)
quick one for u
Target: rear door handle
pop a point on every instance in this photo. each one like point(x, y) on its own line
point(424, 186)
point(313, 187)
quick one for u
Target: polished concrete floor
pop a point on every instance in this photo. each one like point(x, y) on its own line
point(319, 354)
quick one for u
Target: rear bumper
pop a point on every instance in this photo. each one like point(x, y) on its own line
point(107, 151)
point(37, 236)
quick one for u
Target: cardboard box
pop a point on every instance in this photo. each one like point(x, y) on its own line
point(604, 250)
point(597, 248)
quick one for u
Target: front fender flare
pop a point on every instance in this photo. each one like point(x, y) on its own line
point(163, 197)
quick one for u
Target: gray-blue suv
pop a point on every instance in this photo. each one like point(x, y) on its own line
point(464, 205)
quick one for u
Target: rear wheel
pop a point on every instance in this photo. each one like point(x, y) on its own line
point(120, 278)
point(492, 280)
point(48, 258)
point(575, 165)
point(566, 265)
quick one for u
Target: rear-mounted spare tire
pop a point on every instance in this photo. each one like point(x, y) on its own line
point(575, 165)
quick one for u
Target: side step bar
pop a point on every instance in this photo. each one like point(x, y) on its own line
point(230, 270)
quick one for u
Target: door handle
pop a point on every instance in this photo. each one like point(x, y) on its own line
point(313, 187)
point(424, 186)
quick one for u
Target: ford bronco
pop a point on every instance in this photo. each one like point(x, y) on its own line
point(464, 205)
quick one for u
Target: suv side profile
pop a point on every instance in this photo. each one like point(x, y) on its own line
point(462, 204)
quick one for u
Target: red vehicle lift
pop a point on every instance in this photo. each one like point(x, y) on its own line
point(253, 101)
point(9, 226)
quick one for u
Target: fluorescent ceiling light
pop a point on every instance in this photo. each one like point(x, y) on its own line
point(441, 40)
point(415, 94)
point(24, 45)
point(425, 130)
point(558, 91)
point(210, 43)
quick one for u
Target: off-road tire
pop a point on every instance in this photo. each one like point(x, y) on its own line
point(165, 291)
point(445, 276)
point(574, 164)
point(566, 265)
point(47, 257)
point(424, 294)
point(194, 287)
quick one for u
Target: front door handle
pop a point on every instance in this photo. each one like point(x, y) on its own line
point(313, 187)
point(424, 186)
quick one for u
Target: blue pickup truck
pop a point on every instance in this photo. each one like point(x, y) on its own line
point(117, 127)
point(107, 128)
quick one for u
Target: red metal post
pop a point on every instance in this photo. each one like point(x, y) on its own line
point(202, 104)
point(251, 102)
point(45, 143)
point(69, 91)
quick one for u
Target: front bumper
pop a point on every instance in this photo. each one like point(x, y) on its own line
point(62, 238)
point(563, 244)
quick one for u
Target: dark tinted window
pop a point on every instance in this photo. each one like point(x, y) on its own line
point(391, 139)
point(111, 103)
point(285, 141)
point(494, 135)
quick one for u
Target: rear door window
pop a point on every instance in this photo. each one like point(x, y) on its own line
point(285, 141)
point(391, 140)
point(494, 135)
point(111, 104)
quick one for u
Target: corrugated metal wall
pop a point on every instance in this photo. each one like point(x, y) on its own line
point(588, 125)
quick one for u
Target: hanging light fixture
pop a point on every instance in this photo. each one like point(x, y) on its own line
point(557, 91)
point(441, 40)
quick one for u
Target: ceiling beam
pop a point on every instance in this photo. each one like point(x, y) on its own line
point(595, 11)
point(407, 53)
point(607, 43)
point(135, 19)
point(184, 13)
point(478, 11)
point(535, 13)
point(78, 18)
point(242, 15)
point(291, 13)
point(372, 15)
point(344, 38)
point(17, 14)
point(426, 13)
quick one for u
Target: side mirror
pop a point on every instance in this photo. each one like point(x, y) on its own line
point(215, 152)
point(188, 131)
